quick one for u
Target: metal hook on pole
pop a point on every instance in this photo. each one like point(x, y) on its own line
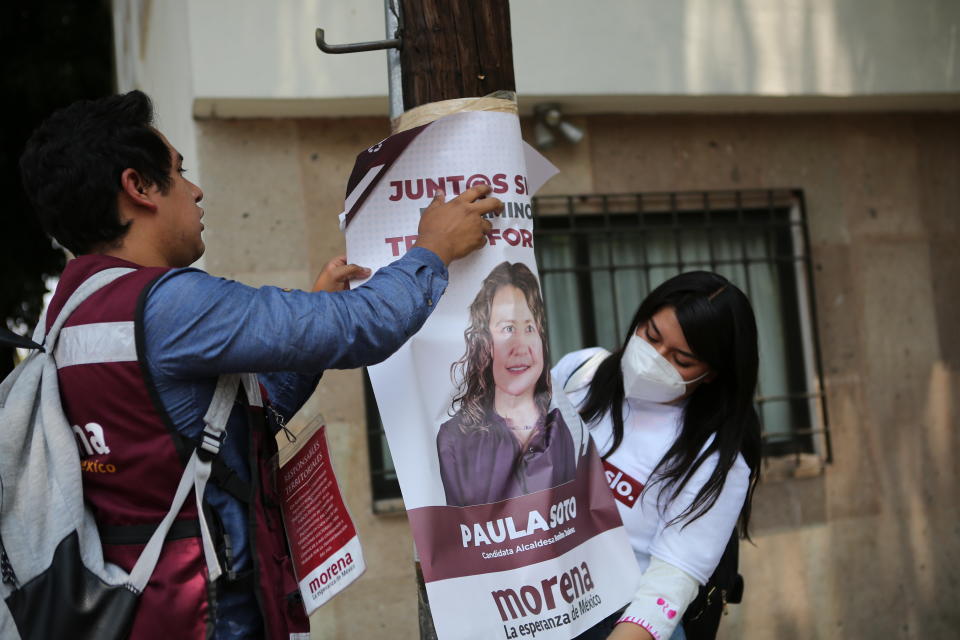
point(393, 43)
point(393, 20)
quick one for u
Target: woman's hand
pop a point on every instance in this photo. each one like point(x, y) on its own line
point(629, 631)
point(337, 273)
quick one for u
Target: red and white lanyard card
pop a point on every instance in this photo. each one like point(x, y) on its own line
point(327, 557)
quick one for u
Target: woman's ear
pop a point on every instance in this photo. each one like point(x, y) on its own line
point(710, 377)
point(134, 188)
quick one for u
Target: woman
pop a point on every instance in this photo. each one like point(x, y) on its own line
point(503, 441)
point(672, 410)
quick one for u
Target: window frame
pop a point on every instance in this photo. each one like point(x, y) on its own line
point(575, 209)
point(385, 487)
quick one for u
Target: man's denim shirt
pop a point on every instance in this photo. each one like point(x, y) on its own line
point(198, 326)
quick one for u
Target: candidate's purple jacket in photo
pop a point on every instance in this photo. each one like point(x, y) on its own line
point(484, 465)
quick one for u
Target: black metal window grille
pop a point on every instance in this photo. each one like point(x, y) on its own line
point(383, 475)
point(599, 256)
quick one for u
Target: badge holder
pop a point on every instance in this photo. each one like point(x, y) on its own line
point(323, 540)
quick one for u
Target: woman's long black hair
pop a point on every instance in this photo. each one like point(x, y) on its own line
point(718, 323)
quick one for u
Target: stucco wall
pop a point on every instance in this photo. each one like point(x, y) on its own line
point(152, 53)
point(251, 58)
point(870, 547)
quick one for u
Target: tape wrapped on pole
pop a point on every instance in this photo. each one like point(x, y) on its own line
point(501, 101)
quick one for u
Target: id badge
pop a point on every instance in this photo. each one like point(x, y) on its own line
point(323, 540)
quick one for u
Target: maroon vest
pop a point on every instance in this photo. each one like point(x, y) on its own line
point(132, 459)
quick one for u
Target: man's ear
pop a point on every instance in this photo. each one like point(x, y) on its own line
point(136, 189)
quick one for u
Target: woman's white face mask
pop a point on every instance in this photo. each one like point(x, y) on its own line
point(649, 376)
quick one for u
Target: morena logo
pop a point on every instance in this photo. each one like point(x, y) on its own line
point(90, 439)
point(335, 568)
point(532, 599)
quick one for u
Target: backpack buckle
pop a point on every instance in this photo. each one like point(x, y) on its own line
point(209, 445)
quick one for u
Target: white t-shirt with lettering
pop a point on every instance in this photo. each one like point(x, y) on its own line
point(649, 431)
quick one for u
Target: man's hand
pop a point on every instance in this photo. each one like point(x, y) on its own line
point(337, 273)
point(456, 228)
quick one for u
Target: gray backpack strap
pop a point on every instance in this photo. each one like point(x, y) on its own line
point(195, 477)
point(89, 286)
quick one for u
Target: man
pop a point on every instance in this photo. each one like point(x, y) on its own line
point(139, 360)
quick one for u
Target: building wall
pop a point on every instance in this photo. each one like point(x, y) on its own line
point(252, 58)
point(868, 547)
point(153, 54)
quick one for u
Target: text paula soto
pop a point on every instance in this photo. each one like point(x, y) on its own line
point(496, 531)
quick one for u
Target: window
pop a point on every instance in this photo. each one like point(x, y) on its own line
point(600, 255)
point(383, 475)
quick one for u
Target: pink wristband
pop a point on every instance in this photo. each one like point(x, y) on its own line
point(640, 622)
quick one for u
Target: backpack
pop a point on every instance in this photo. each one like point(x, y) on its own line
point(725, 586)
point(55, 582)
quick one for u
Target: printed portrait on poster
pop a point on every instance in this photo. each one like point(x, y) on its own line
point(503, 440)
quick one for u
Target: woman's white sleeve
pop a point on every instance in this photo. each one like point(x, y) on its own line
point(684, 557)
point(696, 547)
point(664, 593)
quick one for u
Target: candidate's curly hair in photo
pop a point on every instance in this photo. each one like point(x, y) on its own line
point(472, 374)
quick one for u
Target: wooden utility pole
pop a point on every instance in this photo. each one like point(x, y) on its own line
point(448, 49)
point(455, 49)
point(452, 49)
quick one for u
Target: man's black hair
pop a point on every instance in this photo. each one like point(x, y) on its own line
point(71, 167)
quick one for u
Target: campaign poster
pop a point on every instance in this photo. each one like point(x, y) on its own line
point(326, 552)
point(513, 520)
